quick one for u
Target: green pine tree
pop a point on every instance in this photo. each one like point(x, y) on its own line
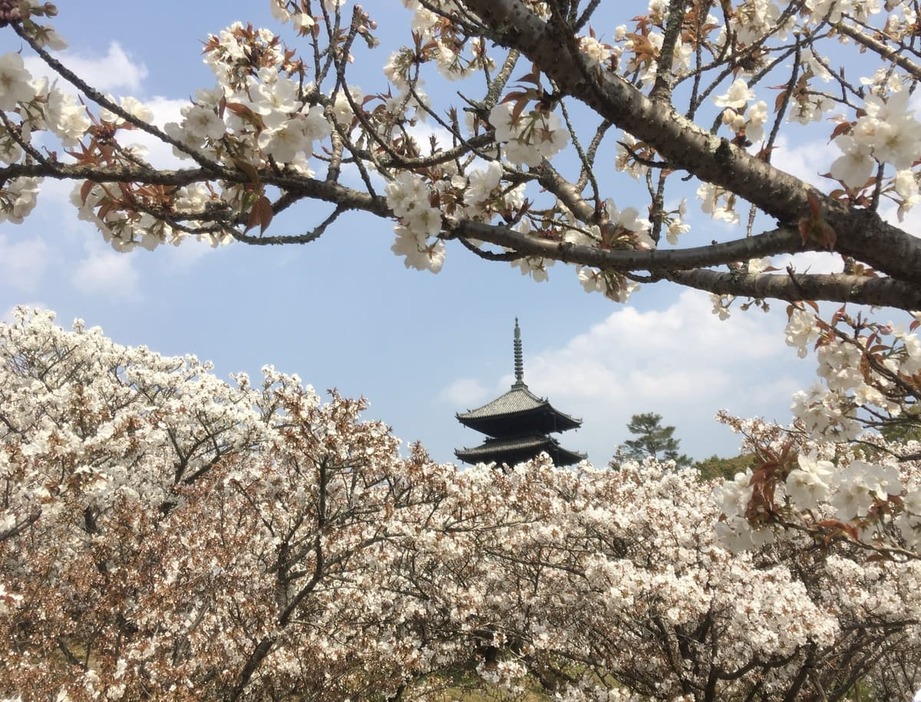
point(652, 440)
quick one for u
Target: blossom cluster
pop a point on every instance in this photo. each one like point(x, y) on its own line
point(529, 137)
point(259, 115)
point(831, 472)
point(409, 199)
point(886, 133)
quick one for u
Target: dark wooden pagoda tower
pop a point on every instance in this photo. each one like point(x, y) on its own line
point(518, 425)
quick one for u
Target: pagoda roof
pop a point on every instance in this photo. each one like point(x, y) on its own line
point(518, 425)
point(517, 410)
point(517, 449)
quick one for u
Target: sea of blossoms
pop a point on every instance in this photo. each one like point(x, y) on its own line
point(166, 533)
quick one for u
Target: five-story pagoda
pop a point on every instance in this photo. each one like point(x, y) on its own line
point(518, 425)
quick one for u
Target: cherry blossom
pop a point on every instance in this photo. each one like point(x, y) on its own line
point(18, 199)
point(530, 137)
point(15, 81)
point(200, 122)
point(808, 485)
point(738, 95)
point(417, 251)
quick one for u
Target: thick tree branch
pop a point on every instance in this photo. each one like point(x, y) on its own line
point(252, 664)
point(689, 267)
point(793, 287)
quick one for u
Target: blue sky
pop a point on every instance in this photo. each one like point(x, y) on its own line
point(344, 312)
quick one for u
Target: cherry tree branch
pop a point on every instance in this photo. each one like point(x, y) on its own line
point(860, 234)
point(794, 287)
point(105, 102)
point(297, 185)
point(893, 55)
point(777, 241)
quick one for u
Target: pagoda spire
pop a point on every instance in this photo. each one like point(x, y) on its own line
point(519, 361)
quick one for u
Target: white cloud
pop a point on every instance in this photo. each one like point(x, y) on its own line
point(678, 353)
point(23, 262)
point(806, 160)
point(114, 71)
point(106, 272)
point(810, 262)
point(158, 153)
point(423, 132)
point(55, 194)
point(184, 256)
point(681, 362)
point(463, 392)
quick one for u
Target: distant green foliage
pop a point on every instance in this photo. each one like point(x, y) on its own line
point(902, 429)
point(716, 467)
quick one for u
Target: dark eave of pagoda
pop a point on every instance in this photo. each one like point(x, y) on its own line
point(518, 408)
point(514, 450)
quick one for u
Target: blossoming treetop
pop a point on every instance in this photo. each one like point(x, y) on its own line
point(550, 95)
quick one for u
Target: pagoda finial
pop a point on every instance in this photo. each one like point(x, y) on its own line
point(519, 362)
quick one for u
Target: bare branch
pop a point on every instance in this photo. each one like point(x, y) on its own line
point(895, 56)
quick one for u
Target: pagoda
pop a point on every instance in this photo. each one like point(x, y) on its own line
point(518, 425)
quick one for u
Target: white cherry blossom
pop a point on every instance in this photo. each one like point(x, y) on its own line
point(810, 483)
point(15, 82)
point(737, 97)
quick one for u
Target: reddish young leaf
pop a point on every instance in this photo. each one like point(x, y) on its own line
point(261, 214)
